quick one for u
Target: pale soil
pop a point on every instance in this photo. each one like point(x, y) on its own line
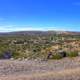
point(65, 69)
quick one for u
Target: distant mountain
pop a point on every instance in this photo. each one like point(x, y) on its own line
point(39, 33)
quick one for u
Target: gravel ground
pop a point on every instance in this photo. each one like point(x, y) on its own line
point(40, 70)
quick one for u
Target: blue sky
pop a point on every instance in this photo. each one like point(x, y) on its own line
point(18, 15)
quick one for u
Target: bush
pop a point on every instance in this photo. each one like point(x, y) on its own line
point(73, 54)
point(1, 55)
point(16, 55)
point(57, 56)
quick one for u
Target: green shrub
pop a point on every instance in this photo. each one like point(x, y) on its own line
point(73, 54)
point(16, 55)
point(1, 55)
point(57, 56)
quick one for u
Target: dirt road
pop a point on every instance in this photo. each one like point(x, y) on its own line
point(65, 69)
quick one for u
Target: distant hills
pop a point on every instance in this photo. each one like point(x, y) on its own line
point(39, 33)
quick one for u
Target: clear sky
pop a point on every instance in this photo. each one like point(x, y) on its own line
point(44, 15)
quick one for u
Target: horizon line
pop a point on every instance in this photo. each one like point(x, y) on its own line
point(38, 30)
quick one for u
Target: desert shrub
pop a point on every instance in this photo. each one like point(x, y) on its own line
point(72, 54)
point(16, 55)
point(57, 56)
point(1, 55)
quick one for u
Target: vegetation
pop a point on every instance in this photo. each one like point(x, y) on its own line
point(57, 56)
point(73, 54)
point(34, 45)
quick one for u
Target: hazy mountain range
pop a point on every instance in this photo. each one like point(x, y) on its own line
point(40, 33)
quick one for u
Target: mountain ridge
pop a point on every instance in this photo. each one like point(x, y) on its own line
point(40, 33)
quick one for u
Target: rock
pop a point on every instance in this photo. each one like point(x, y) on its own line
point(26, 59)
point(19, 59)
point(11, 58)
point(78, 53)
point(49, 55)
point(62, 53)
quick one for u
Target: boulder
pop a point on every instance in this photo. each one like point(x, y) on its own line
point(62, 53)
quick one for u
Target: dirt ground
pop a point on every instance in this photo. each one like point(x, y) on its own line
point(64, 69)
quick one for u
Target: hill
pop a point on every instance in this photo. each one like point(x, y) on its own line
point(39, 33)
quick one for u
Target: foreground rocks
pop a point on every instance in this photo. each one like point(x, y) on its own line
point(64, 69)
